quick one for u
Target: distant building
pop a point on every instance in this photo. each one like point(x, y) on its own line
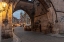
point(25, 19)
point(15, 20)
point(21, 18)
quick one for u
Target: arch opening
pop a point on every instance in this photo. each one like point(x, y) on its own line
point(21, 18)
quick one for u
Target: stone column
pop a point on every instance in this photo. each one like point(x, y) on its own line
point(32, 22)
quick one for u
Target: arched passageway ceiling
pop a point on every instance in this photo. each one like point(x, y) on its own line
point(44, 3)
point(58, 5)
point(28, 7)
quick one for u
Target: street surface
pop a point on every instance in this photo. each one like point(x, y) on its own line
point(30, 36)
point(7, 40)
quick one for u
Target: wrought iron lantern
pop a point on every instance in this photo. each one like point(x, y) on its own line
point(3, 6)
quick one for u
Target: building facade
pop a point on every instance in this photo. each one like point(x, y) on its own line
point(25, 19)
point(15, 20)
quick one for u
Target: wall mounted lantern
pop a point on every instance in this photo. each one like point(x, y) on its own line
point(3, 6)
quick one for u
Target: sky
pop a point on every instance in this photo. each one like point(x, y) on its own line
point(17, 13)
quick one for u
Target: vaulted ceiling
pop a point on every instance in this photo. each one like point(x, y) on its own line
point(44, 4)
point(30, 8)
point(26, 5)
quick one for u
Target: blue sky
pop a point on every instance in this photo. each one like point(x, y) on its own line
point(17, 13)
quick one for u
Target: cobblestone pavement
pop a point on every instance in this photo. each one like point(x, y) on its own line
point(27, 36)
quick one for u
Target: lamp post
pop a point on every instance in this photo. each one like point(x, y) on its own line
point(3, 6)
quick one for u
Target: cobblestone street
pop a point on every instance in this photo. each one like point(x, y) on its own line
point(27, 36)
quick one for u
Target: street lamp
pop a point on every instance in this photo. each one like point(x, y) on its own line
point(3, 6)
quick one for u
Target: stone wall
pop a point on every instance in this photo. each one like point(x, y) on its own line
point(50, 16)
point(59, 7)
point(41, 15)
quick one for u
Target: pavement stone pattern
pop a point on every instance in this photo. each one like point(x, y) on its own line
point(30, 36)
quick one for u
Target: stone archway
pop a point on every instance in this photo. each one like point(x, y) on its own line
point(28, 8)
point(21, 17)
